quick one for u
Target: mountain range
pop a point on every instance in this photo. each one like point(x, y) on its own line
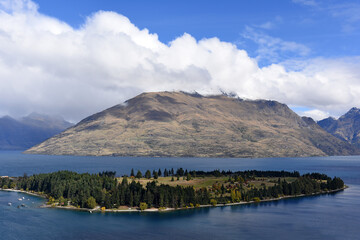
point(179, 124)
point(346, 128)
point(23, 133)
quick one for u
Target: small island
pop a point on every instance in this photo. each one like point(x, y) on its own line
point(168, 189)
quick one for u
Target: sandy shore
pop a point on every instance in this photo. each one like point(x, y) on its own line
point(21, 191)
point(166, 209)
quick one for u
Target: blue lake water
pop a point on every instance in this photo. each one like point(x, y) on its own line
point(332, 216)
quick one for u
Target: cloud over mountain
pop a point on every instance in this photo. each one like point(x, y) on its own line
point(48, 66)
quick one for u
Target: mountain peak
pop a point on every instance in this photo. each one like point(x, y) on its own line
point(28, 131)
point(351, 113)
point(185, 124)
point(346, 128)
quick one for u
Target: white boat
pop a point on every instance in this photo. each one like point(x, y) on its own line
point(9, 204)
point(20, 199)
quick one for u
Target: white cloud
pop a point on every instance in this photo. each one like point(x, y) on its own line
point(48, 66)
point(267, 25)
point(347, 11)
point(315, 114)
point(274, 49)
point(306, 2)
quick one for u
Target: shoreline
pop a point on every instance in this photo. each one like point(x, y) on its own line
point(72, 208)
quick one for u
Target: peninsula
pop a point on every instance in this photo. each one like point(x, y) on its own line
point(168, 189)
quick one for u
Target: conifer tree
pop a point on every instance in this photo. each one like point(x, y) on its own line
point(148, 174)
point(139, 174)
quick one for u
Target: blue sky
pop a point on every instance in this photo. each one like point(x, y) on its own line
point(327, 28)
point(75, 58)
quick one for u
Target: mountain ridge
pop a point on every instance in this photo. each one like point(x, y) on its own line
point(23, 133)
point(178, 124)
point(346, 128)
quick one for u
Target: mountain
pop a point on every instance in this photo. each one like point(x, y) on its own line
point(346, 128)
point(182, 124)
point(28, 131)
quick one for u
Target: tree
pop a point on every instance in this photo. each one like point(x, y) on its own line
point(148, 174)
point(156, 175)
point(138, 174)
point(180, 172)
point(91, 203)
point(159, 172)
point(188, 177)
point(172, 178)
point(143, 206)
point(166, 173)
point(132, 173)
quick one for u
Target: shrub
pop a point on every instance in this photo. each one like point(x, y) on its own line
point(213, 202)
point(162, 209)
point(143, 206)
point(91, 203)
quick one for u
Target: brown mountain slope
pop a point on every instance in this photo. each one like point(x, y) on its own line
point(181, 124)
point(346, 128)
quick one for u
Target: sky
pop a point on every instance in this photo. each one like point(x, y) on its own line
point(75, 58)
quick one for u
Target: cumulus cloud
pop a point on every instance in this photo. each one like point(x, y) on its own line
point(48, 66)
point(315, 114)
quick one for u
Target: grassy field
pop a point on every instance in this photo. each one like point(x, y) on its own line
point(210, 182)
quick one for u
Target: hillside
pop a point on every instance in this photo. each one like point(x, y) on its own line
point(28, 131)
point(346, 128)
point(182, 124)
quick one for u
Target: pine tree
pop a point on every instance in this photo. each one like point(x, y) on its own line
point(159, 172)
point(148, 174)
point(139, 174)
point(132, 173)
point(188, 177)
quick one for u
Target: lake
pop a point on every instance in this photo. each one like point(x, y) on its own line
point(331, 216)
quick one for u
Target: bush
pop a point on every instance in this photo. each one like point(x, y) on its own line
point(143, 206)
point(256, 199)
point(91, 203)
point(213, 202)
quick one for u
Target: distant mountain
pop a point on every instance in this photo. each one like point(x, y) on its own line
point(346, 128)
point(181, 124)
point(28, 131)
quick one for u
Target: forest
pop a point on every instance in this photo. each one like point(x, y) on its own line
point(110, 192)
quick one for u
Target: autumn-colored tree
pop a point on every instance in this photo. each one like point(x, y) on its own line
point(143, 206)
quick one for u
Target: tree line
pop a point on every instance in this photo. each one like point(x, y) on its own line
point(89, 190)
